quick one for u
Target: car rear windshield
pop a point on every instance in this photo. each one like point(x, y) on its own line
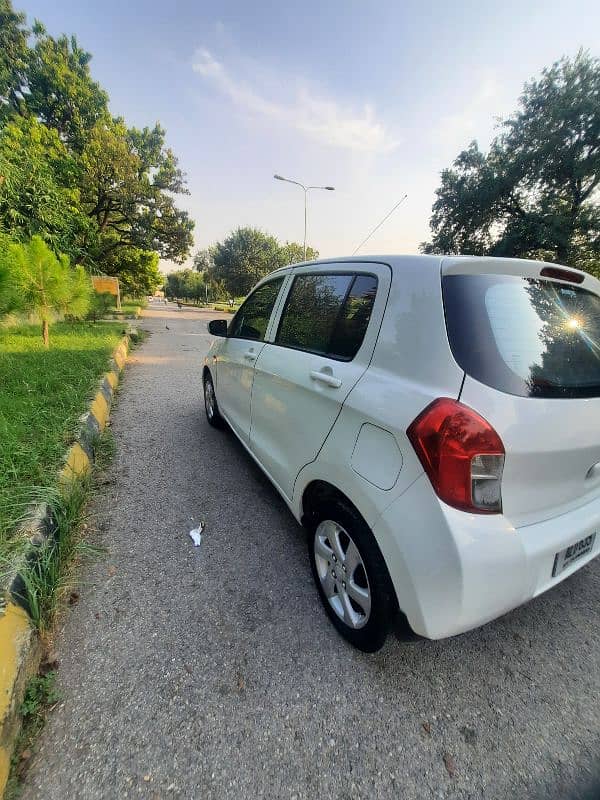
point(523, 336)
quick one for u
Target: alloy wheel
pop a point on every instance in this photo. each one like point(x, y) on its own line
point(342, 574)
point(209, 398)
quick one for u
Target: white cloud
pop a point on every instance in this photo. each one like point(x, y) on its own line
point(476, 118)
point(319, 118)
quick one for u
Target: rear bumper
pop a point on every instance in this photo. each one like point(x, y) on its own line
point(454, 571)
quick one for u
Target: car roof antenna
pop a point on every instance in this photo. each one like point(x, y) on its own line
point(389, 214)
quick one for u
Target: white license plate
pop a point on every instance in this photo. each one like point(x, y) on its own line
point(566, 557)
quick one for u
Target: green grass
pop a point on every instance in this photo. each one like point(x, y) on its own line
point(43, 393)
point(129, 309)
point(48, 577)
point(41, 696)
point(131, 306)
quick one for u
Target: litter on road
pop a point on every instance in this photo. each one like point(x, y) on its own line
point(196, 534)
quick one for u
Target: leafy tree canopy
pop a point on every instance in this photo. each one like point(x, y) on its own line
point(186, 283)
point(128, 183)
point(60, 90)
point(535, 193)
point(246, 256)
point(38, 189)
point(137, 271)
point(203, 261)
point(243, 258)
point(6, 290)
point(13, 55)
point(293, 253)
point(85, 182)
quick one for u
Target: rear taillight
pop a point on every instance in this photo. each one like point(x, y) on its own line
point(462, 455)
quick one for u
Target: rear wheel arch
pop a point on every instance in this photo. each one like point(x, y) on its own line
point(317, 495)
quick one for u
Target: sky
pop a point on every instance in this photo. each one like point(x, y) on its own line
point(374, 98)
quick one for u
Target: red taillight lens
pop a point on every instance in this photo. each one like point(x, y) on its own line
point(462, 455)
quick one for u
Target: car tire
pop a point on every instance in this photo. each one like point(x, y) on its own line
point(351, 576)
point(211, 407)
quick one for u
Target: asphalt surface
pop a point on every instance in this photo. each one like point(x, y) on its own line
point(212, 672)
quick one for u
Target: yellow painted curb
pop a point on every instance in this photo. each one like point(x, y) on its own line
point(100, 410)
point(15, 635)
point(4, 768)
point(14, 631)
point(120, 356)
point(77, 465)
point(112, 378)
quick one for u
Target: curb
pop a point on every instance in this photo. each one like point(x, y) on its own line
point(19, 643)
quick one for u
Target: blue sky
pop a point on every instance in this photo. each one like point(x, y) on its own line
point(374, 98)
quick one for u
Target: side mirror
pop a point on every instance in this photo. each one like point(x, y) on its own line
point(218, 327)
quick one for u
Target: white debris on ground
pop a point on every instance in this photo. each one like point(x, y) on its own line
point(196, 534)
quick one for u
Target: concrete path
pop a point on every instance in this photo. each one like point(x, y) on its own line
point(214, 673)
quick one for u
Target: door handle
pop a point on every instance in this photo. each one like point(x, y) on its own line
point(326, 378)
point(250, 355)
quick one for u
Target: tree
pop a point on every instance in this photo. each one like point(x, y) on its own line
point(45, 285)
point(129, 179)
point(203, 261)
point(293, 253)
point(137, 271)
point(13, 56)
point(186, 284)
point(38, 190)
point(7, 299)
point(100, 304)
point(60, 90)
point(243, 258)
point(535, 193)
point(113, 187)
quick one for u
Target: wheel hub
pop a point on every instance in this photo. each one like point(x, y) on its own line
point(342, 574)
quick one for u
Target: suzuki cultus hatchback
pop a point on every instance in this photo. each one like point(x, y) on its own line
point(433, 422)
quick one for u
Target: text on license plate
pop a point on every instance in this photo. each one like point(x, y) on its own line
point(572, 553)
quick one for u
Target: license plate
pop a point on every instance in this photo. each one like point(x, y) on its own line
point(566, 557)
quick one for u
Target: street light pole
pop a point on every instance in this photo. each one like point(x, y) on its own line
point(306, 190)
point(305, 215)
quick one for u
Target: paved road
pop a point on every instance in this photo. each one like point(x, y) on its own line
point(213, 672)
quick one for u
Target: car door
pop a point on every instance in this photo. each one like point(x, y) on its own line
point(239, 351)
point(322, 344)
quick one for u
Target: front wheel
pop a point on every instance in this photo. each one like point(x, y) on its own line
point(213, 414)
point(351, 577)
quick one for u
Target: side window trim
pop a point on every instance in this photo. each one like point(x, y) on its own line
point(250, 296)
point(280, 304)
point(338, 320)
point(344, 272)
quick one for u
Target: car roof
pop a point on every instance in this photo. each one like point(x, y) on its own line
point(447, 264)
point(384, 259)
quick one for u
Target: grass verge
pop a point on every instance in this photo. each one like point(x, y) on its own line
point(43, 394)
point(49, 583)
point(40, 697)
point(47, 573)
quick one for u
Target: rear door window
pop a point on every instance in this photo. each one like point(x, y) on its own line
point(253, 316)
point(523, 336)
point(327, 314)
point(352, 323)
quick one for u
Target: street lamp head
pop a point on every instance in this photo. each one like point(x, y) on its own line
point(330, 188)
point(279, 177)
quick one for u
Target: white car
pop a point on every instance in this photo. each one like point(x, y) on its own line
point(434, 423)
